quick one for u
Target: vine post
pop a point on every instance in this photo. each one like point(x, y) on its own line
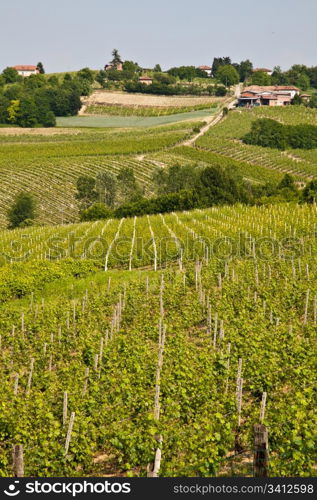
point(261, 451)
point(18, 460)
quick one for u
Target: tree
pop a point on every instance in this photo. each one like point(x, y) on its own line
point(287, 182)
point(297, 100)
point(40, 68)
point(128, 188)
point(278, 77)
point(313, 101)
point(157, 68)
point(13, 111)
point(131, 66)
point(260, 78)
point(27, 114)
point(86, 192)
point(97, 211)
point(218, 62)
point(245, 70)
point(267, 133)
point(303, 82)
point(310, 192)
point(101, 77)
point(10, 75)
point(228, 75)
point(106, 186)
point(22, 212)
point(86, 74)
point(175, 178)
point(49, 119)
point(116, 58)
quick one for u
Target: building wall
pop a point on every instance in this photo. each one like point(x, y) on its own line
point(28, 73)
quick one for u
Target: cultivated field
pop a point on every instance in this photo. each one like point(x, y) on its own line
point(225, 140)
point(49, 166)
point(197, 353)
point(104, 98)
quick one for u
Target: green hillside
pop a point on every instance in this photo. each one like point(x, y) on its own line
point(82, 344)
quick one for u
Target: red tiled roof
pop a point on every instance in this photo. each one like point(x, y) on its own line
point(25, 68)
point(145, 78)
point(270, 97)
point(269, 88)
point(250, 95)
point(204, 67)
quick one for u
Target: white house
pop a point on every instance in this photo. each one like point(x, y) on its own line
point(26, 70)
point(206, 69)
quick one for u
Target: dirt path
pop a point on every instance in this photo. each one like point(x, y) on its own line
point(213, 120)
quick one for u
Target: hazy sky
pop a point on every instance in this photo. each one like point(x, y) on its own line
point(70, 34)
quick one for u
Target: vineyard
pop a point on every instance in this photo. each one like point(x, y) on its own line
point(100, 369)
point(49, 166)
point(225, 140)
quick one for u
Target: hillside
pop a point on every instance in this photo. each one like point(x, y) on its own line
point(49, 163)
point(225, 307)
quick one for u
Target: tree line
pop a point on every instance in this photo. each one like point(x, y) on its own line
point(181, 187)
point(178, 188)
point(37, 100)
point(270, 133)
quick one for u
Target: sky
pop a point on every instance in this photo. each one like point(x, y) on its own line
point(68, 35)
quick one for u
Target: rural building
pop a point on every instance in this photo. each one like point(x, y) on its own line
point(26, 70)
point(305, 97)
point(279, 95)
point(146, 80)
point(206, 69)
point(264, 70)
point(118, 67)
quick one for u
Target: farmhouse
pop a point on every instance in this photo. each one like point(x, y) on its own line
point(26, 70)
point(278, 95)
point(206, 69)
point(118, 67)
point(146, 80)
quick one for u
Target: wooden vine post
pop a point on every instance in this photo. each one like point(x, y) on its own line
point(18, 461)
point(261, 451)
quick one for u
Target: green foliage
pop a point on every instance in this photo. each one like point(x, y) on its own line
point(260, 78)
point(39, 98)
point(175, 178)
point(106, 186)
point(272, 134)
point(86, 192)
point(10, 75)
point(228, 75)
point(97, 211)
point(310, 192)
point(245, 70)
point(40, 68)
point(313, 102)
point(266, 133)
point(128, 188)
point(22, 212)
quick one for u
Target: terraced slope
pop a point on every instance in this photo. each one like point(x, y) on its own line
point(48, 166)
point(225, 140)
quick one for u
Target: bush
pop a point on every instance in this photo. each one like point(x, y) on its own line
point(97, 211)
point(310, 192)
point(22, 212)
point(272, 134)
